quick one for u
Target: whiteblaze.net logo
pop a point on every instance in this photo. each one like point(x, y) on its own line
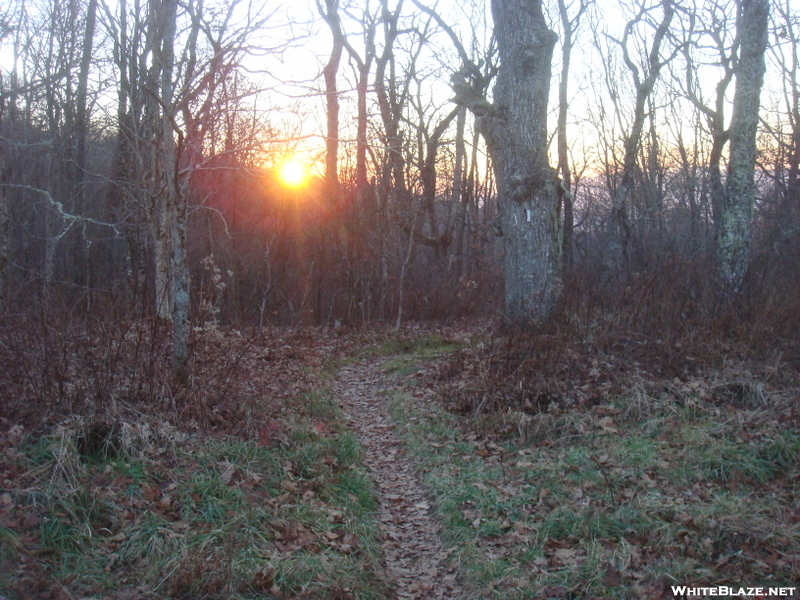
point(685, 591)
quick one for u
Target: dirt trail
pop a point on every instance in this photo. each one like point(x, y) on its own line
point(415, 557)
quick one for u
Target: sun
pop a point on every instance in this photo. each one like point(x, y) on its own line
point(293, 173)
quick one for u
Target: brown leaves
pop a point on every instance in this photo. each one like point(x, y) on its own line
point(6, 503)
point(613, 576)
point(264, 579)
point(553, 591)
point(415, 558)
point(607, 425)
point(270, 433)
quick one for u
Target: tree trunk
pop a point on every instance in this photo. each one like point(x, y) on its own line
point(4, 220)
point(565, 188)
point(515, 129)
point(733, 228)
point(171, 262)
point(457, 202)
point(81, 125)
point(329, 73)
point(361, 130)
point(789, 62)
point(83, 87)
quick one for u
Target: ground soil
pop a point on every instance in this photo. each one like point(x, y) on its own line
point(416, 560)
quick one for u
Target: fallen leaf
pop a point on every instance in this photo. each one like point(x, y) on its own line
point(608, 425)
point(228, 471)
point(264, 579)
point(613, 576)
point(6, 503)
point(264, 439)
point(564, 554)
point(321, 428)
point(553, 591)
point(289, 485)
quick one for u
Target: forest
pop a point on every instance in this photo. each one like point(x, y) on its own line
point(372, 299)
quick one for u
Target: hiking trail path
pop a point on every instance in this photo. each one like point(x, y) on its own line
point(416, 560)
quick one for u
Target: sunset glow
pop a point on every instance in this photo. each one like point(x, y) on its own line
point(293, 173)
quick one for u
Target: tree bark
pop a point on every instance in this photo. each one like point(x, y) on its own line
point(331, 16)
point(83, 87)
point(4, 220)
point(172, 237)
point(458, 200)
point(733, 227)
point(515, 129)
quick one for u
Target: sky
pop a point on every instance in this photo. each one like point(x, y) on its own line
point(296, 102)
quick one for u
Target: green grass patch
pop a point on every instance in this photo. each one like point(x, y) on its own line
point(411, 346)
point(612, 502)
point(178, 517)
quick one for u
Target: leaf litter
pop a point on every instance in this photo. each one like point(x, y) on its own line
point(621, 483)
point(420, 566)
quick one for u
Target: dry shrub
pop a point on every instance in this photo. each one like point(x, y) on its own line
point(56, 363)
point(113, 367)
point(663, 327)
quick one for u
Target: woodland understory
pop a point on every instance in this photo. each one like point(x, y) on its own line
point(534, 301)
point(627, 446)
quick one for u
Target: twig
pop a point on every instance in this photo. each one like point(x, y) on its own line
point(608, 483)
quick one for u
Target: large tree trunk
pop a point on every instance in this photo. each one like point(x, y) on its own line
point(733, 227)
point(515, 129)
point(172, 272)
point(332, 188)
point(4, 221)
point(175, 201)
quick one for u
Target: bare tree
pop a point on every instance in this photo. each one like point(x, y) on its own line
point(569, 25)
point(733, 227)
point(785, 53)
point(644, 79)
point(515, 128)
point(6, 95)
point(330, 13)
point(4, 219)
point(363, 67)
point(709, 27)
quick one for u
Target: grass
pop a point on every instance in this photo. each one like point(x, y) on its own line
point(404, 351)
point(179, 516)
point(618, 501)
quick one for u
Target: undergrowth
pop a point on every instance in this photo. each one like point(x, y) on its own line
point(240, 483)
point(610, 504)
point(629, 445)
point(170, 514)
point(610, 462)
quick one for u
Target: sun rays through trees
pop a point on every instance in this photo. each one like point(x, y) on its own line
point(406, 171)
